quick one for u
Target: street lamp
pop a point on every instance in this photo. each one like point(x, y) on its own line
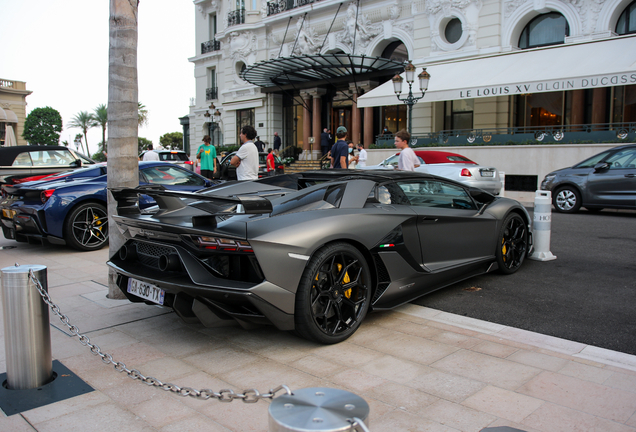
point(410, 100)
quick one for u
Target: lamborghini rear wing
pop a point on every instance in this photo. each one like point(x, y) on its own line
point(128, 201)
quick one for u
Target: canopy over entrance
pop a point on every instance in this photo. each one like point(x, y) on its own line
point(588, 65)
point(311, 70)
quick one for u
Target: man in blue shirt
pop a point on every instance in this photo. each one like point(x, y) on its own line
point(340, 150)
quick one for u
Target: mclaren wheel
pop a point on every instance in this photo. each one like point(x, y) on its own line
point(513, 244)
point(334, 294)
point(86, 227)
point(567, 199)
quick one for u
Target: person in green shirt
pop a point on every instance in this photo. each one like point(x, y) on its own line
point(207, 158)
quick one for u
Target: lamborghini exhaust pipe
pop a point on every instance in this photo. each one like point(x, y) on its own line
point(169, 262)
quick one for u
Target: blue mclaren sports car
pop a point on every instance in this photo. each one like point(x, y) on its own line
point(70, 208)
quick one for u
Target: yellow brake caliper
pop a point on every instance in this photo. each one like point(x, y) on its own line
point(503, 249)
point(345, 280)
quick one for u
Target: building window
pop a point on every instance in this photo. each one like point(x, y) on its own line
point(627, 21)
point(458, 114)
point(539, 109)
point(243, 118)
point(211, 92)
point(544, 30)
point(453, 31)
point(212, 22)
point(624, 104)
point(396, 51)
point(394, 118)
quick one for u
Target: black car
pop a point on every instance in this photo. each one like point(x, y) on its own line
point(313, 251)
point(228, 172)
point(606, 180)
point(17, 162)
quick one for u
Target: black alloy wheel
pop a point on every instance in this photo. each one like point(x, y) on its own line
point(566, 199)
point(513, 244)
point(334, 294)
point(86, 227)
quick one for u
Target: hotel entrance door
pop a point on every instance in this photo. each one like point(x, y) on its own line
point(340, 116)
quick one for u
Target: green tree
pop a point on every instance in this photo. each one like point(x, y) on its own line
point(142, 114)
point(100, 114)
point(142, 144)
point(172, 141)
point(84, 121)
point(43, 126)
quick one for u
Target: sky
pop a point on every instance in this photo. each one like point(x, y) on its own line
point(60, 49)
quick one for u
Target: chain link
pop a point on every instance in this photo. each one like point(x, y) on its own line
point(225, 395)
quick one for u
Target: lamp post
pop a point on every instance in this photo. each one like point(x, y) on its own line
point(410, 100)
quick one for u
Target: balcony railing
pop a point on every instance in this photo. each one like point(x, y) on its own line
point(209, 46)
point(211, 93)
point(278, 6)
point(236, 17)
point(567, 134)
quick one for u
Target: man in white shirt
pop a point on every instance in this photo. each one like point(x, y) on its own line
point(362, 156)
point(246, 158)
point(408, 160)
point(150, 154)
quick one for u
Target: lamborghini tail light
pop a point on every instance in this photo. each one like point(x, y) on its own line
point(466, 172)
point(45, 195)
point(222, 244)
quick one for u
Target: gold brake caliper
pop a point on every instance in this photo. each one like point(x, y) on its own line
point(345, 280)
point(503, 249)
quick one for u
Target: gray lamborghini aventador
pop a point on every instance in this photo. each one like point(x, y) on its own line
point(312, 252)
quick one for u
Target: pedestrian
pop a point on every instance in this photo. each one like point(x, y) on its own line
point(271, 163)
point(246, 158)
point(362, 156)
point(386, 131)
point(340, 150)
point(206, 158)
point(276, 141)
point(259, 144)
point(352, 159)
point(150, 154)
point(325, 141)
point(408, 161)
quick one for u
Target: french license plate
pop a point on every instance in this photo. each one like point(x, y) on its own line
point(487, 173)
point(146, 291)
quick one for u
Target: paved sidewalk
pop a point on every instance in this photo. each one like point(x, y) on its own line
point(419, 369)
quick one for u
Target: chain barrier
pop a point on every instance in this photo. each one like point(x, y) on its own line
point(224, 395)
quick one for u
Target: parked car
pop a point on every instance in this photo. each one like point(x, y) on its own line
point(72, 211)
point(452, 166)
point(17, 162)
point(314, 251)
point(177, 157)
point(228, 172)
point(606, 180)
point(94, 170)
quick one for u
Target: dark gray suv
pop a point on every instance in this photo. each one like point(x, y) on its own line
point(606, 180)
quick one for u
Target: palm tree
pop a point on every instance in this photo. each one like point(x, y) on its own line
point(142, 114)
point(100, 114)
point(84, 121)
point(123, 106)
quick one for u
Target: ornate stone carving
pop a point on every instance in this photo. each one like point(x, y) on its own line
point(466, 10)
point(306, 39)
point(511, 5)
point(204, 7)
point(357, 34)
point(588, 13)
point(242, 44)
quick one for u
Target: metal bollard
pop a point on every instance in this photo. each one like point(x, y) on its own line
point(542, 224)
point(502, 177)
point(317, 409)
point(27, 335)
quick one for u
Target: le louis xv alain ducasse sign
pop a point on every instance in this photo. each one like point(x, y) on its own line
point(550, 85)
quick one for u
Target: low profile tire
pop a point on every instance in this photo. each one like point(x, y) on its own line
point(513, 244)
point(334, 294)
point(566, 199)
point(86, 227)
